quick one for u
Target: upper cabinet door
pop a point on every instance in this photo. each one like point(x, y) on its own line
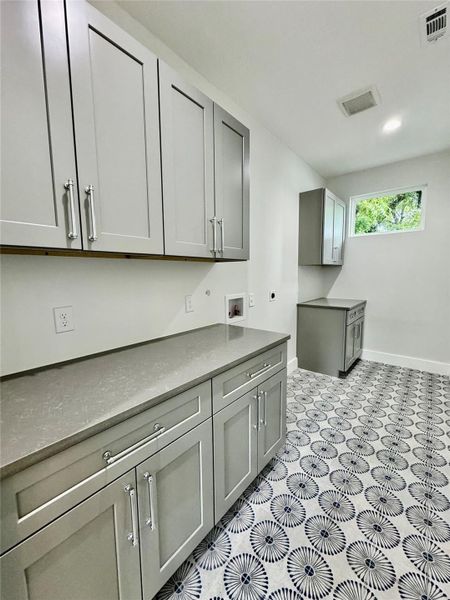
point(115, 103)
point(187, 167)
point(232, 184)
point(338, 231)
point(328, 229)
point(37, 154)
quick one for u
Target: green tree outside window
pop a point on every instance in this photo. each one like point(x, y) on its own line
point(396, 212)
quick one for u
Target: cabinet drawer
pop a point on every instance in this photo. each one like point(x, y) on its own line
point(355, 313)
point(39, 494)
point(240, 379)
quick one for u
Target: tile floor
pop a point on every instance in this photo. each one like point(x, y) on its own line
point(355, 507)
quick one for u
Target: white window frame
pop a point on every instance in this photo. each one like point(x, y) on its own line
point(354, 200)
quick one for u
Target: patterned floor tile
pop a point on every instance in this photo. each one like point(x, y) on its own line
point(354, 507)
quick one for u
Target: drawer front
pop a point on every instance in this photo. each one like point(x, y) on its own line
point(39, 494)
point(355, 313)
point(240, 379)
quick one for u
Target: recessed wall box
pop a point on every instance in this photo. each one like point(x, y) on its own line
point(235, 307)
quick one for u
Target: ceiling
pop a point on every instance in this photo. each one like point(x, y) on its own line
point(288, 62)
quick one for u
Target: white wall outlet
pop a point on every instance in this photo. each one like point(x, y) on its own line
point(188, 305)
point(63, 316)
point(272, 296)
point(251, 300)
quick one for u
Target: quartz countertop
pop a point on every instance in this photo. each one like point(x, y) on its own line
point(49, 410)
point(338, 303)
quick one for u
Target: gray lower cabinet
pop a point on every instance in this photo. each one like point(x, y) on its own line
point(321, 228)
point(247, 434)
point(187, 147)
point(115, 105)
point(175, 505)
point(90, 553)
point(330, 334)
point(235, 450)
point(232, 185)
point(272, 420)
point(37, 151)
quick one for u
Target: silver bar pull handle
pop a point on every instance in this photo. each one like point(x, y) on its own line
point(260, 421)
point(262, 370)
point(73, 233)
point(222, 234)
point(214, 224)
point(133, 535)
point(110, 458)
point(93, 232)
point(151, 520)
point(265, 408)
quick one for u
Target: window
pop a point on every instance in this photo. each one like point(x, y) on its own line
point(391, 211)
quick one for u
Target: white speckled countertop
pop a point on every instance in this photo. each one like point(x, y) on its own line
point(46, 411)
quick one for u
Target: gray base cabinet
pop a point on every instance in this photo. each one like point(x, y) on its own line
point(175, 505)
point(321, 228)
point(91, 552)
point(114, 516)
point(330, 334)
point(247, 434)
point(235, 450)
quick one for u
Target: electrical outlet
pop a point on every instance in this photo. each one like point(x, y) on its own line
point(188, 305)
point(272, 296)
point(63, 316)
point(251, 300)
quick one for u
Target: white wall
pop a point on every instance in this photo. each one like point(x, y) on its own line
point(405, 277)
point(119, 302)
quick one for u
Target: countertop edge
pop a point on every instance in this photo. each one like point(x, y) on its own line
point(21, 464)
point(346, 308)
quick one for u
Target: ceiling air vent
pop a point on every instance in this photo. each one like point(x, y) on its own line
point(434, 23)
point(359, 101)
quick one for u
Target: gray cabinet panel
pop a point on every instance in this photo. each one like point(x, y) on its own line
point(115, 102)
point(187, 166)
point(33, 497)
point(353, 342)
point(321, 228)
point(235, 451)
point(232, 184)
point(37, 155)
point(338, 231)
point(84, 554)
point(175, 504)
point(272, 417)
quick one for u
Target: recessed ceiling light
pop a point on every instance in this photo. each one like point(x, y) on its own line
point(392, 125)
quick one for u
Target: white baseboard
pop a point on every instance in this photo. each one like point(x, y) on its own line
point(292, 365)
point(409, 362)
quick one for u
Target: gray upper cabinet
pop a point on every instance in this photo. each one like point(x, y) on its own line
point(232, 185)
point(321, 228)
point(175, 504)
point(272, 417)
point(187, 167)
point(37, 154)
point(90, 552)
point(115, 104)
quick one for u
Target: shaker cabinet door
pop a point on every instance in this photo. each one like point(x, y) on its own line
point(272, 417)
point(232, 185)
point(91, 552)
point(37, 153)
point(175, 504)
point(187, 167)
point(235, 451)
point(338, 232)
point(115, 104)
